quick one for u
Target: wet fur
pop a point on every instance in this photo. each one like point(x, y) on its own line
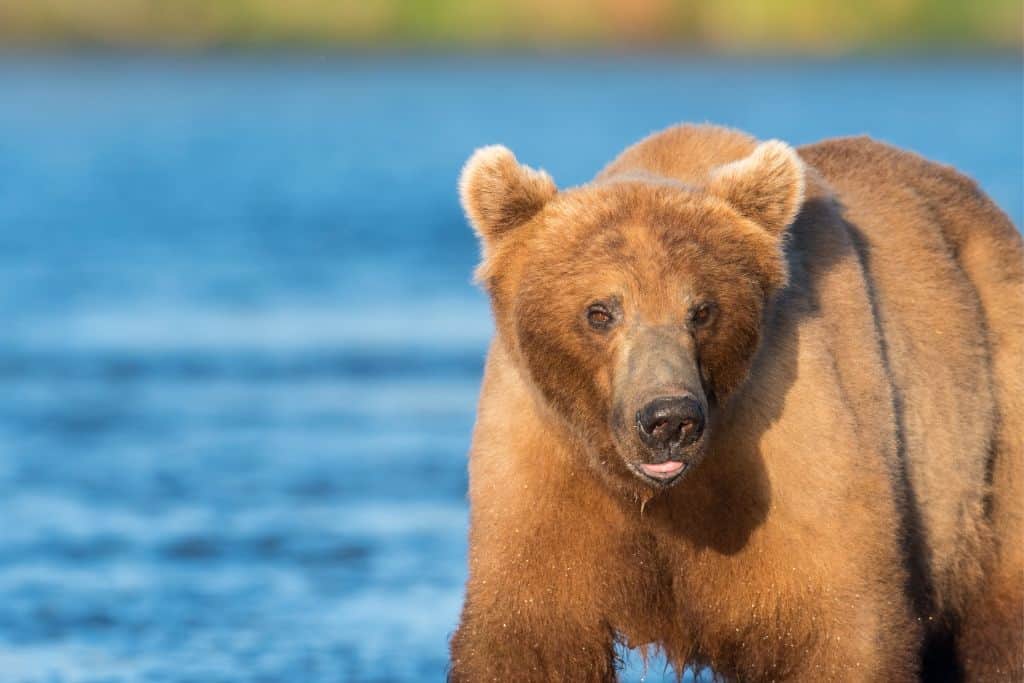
point(860, 512)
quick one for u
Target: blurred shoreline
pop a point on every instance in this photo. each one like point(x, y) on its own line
point(791, 27)
point(1010, 57)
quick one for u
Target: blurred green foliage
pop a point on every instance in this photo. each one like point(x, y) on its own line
point(818, 26)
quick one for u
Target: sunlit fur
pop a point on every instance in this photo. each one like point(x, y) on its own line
point(860, 496)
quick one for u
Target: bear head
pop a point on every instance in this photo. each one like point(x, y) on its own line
point(634, 305)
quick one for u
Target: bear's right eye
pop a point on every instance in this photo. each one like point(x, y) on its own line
point(599, 317)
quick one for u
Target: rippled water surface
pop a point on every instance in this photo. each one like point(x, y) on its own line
point(240, 350)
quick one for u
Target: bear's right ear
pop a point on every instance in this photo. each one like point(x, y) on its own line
point(498, 193)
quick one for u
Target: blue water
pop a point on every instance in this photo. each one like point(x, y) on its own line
point(239, 346)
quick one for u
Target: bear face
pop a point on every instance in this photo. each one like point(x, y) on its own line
point(634, 305)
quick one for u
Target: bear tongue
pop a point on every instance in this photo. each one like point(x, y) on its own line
point(663, 468)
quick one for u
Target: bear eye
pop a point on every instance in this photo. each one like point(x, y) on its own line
point(599, 317)
point(702, 314)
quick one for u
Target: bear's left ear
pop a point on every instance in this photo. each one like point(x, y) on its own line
point(498, 193)
point(767, 186)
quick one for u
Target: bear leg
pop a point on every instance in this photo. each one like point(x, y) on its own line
point(991, 640)
point(541, 593)
point(505, 646)
point(879, 642)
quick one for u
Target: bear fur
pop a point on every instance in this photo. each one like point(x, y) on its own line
point(855, 508)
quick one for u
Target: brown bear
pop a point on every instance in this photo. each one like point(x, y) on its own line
point(758, 407)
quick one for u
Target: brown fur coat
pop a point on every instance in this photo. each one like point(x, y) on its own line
point(855, 507)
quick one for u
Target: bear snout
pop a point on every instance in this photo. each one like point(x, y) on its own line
point(670, 423)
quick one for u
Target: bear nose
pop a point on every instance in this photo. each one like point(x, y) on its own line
point(670, 421)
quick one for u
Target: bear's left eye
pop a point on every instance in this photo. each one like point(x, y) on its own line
point(599, 317)
point(702, 314)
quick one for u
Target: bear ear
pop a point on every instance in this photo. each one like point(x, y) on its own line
point(767, 186)
point(498, 193)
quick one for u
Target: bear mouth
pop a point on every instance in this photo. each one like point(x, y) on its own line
point(662, 473)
